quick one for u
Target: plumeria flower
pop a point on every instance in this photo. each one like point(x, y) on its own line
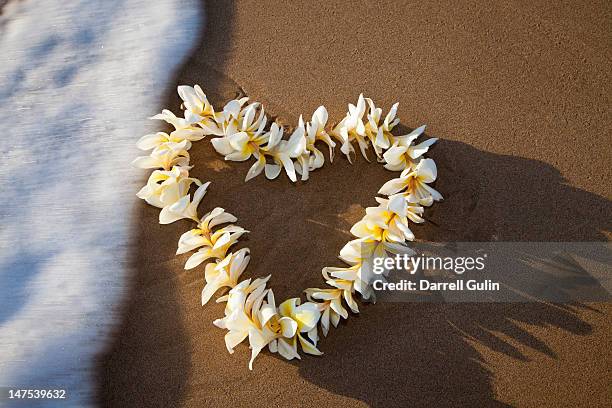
point(294, 148)
point(166, 187)
point(199, 110)
point(165, 156)
point(228, 118)
point(178, 123)
point(153, 140)
point(415, 183)
point(211, 246)
point(283, 151)
point(399, 205)
point(224, 273)
point(330, 306)
point(360, 254)
point(185, 207)
point(306, 316)
point(403, 154)
point(244, 135)
point(315, 131)
point(380, 133)
point(242, 316)
point(273, 138)
point(203, 234)
point(387, 222)
point(357, 277)
point(275, 329)
point(352, 128)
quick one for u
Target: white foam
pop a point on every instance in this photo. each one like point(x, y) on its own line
point(77, 82)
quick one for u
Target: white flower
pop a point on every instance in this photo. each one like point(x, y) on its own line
point(184, 207)
point(273, 327)
point(199, 110)
point(357, 277)
point(331, 306)
point(166, 187)
point(165, 156)
point(283, 151)
point(154, 140)
point(229, 116)
point(306, 316)
point(272, 138)
point(399, 205)
point(280, 151)
point(403, 154)
point(244, 134)
point(380, 134)
point(202, 235)
point(352, 128)
point(315, 131)
point(178, 123)
point(387, 222)
point(414, 182)
point(242, 316)
point(212, 245)
point(224, 273)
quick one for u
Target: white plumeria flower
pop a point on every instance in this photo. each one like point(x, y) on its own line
point(400, 206)
point(294, 148)
point(244, 134)
point(243, 317)
point(229, 116)
point(178, 123)
point(330, 306)
point(283, 151)
point(165, 156)
point(360, 254)
point(272, 138)
point(202, 235)
point(198, 109)
point(185, 207)
point(387, 222)
point(357, 277)
point(153, 140)
point(224, 273)
point(403, 154)
point(306, 316)
point(166, 187)
point(315, 131)
point(380, 133)
point(415, 183)
point(275, 328)
point(211, 246)
point(352, 128)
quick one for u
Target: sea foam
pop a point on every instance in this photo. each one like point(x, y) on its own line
point(77, 82)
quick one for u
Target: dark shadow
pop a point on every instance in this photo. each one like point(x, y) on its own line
point(418, 354)
point(148, 361)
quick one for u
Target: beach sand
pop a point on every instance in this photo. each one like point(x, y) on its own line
point(519, 96)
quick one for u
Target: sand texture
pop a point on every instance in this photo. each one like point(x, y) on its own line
point(518, 93)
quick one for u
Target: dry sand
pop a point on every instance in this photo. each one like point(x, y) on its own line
point(518, 93)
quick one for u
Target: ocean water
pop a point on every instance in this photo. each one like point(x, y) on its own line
point(77, 81)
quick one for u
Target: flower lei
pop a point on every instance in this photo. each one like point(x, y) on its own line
point(242, 132)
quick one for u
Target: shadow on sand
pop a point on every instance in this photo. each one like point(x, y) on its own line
point(148, 361)
point(417, 354)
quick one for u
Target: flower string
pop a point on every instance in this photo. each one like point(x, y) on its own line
point(242, 132)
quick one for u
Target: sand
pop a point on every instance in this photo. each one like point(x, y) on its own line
point(518, 95)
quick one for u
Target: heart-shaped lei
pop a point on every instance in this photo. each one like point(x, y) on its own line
point(243, 132)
